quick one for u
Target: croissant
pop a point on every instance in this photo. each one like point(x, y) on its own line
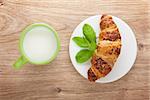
point(107, 51)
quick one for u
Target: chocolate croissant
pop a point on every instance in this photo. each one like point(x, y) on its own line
point(107, 51)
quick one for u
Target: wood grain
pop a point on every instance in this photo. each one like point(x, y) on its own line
point(59, 80)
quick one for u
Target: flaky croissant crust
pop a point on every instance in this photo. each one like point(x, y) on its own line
point(108, 49)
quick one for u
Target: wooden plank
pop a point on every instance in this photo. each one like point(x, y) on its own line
point(59, 80)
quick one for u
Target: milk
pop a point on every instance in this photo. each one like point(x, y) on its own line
point(39, 44)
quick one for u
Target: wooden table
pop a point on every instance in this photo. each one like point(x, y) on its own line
point(59, 80)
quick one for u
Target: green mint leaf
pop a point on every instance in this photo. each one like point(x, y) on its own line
point(83, 55)
point(89, 33)
point(81, 41)
point(92, 46)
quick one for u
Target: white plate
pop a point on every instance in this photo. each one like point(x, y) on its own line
point(126, 58)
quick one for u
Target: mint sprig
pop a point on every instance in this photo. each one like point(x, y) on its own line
point(83, 55)
point(88, 42)
point(81, 42)
point(89, 33)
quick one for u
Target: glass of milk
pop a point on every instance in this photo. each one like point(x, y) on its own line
point(39, 44)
